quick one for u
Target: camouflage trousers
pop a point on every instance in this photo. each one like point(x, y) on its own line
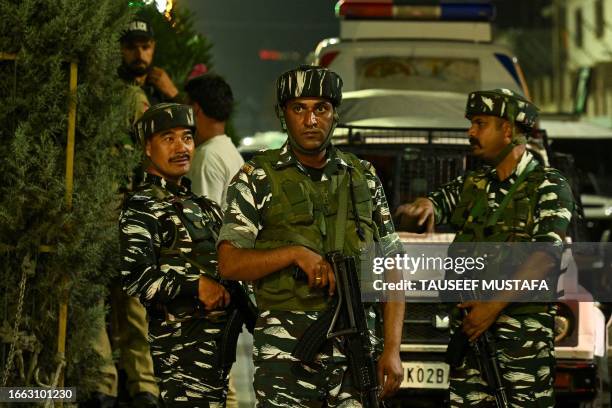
point(282, 381)
point(185, 356)
point(526, 360)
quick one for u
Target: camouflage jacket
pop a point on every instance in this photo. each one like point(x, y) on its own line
point(553, 210)
point(249, 195)
point(158, 261)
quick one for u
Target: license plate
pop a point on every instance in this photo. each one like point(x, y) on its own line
point(425, 375)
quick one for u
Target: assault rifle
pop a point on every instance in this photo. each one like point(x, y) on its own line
point(241, 311)
point(485, 351)
point(345, 318)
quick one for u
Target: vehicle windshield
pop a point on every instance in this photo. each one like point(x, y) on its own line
point(418, 73)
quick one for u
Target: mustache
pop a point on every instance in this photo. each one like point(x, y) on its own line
point(180, 156)
point(474, 142)
point(138, 61)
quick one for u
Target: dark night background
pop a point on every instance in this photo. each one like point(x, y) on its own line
point(238, 30)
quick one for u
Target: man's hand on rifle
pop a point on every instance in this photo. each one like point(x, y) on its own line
point(480, 317)
point(390, 372)
point(212, 294)
point(319, 271)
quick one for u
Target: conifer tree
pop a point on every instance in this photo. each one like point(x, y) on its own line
point(179, 47)
point(60, 251)
point(54, 250)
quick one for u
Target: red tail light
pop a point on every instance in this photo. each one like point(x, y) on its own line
point(272, 55)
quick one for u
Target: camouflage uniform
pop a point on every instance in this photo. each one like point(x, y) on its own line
point(167, 240)
point(280, 379)
point(524, 338)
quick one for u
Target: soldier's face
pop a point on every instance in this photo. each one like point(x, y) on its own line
point(488, 136)
point(309, 120)
point(138, 55)
point(170, 153)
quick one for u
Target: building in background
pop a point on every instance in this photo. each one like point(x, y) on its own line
point(588, 38)
point(581, 80)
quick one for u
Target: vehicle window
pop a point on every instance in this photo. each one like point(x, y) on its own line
point(418, 73)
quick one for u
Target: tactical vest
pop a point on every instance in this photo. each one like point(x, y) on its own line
point(307, 213)
point(477, 222)
point(200, 251)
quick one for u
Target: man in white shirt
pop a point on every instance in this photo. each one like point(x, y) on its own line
point(215, 162)
point(216, 159)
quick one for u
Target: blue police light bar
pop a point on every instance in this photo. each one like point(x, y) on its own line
point(388, 10)
point(467, 12)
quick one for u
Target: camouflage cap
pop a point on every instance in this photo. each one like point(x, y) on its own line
point(162, 117)
point(309, 81)
point(503, 103)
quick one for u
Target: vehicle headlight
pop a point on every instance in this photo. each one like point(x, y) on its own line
point(562, 328)
point(564, 322)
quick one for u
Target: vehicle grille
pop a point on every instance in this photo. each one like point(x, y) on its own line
point(424, 169)
point(419, 324)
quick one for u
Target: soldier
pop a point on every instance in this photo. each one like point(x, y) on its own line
point(168, 260)
point(282, 212)
point(517, 199)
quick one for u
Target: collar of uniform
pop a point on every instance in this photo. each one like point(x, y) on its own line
point(520, 167)
point(177, 189)
point(287, 158)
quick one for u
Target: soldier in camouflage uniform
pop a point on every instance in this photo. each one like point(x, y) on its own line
point(282, 212)
point(538, 208)
point(168, 260)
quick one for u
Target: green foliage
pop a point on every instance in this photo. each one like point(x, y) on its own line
point(179, 47)
point(46, 36)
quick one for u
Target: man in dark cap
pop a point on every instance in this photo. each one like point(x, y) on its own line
point(513, 198)
point(169, 261)
point(137, 52)
point(282, 212)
